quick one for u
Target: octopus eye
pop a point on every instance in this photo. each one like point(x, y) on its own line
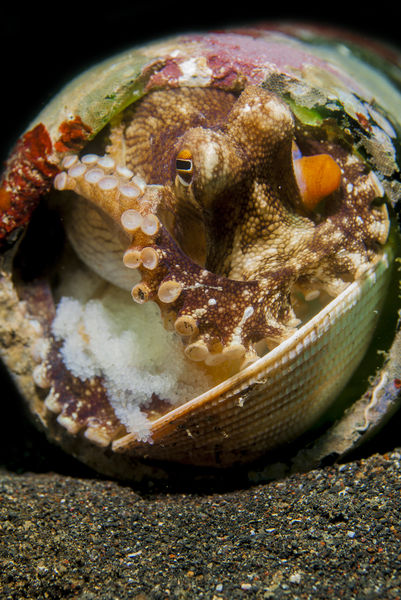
point(184, 166)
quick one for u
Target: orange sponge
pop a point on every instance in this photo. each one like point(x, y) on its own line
point(317, 176)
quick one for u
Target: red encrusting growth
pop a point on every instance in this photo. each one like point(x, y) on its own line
point(5, 201)
point(363, 121)
point(166, 74)
point(31, 169)
point(29, 173)
point(73, 134)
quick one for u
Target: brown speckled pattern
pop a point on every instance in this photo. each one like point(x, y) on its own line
point(241, 205)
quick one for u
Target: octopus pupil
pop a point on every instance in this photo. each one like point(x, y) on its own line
point(183, 165)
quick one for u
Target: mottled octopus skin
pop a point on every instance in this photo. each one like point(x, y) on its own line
point(230, 241)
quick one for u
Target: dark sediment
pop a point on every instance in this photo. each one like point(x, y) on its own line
point(66, 532)
point(329, 533)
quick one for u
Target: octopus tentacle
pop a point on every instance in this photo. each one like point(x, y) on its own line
point(233, 224)
point(198, 298)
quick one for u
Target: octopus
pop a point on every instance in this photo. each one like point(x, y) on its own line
point(220, 209)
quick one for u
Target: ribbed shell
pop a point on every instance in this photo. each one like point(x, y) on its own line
point(282, 394)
